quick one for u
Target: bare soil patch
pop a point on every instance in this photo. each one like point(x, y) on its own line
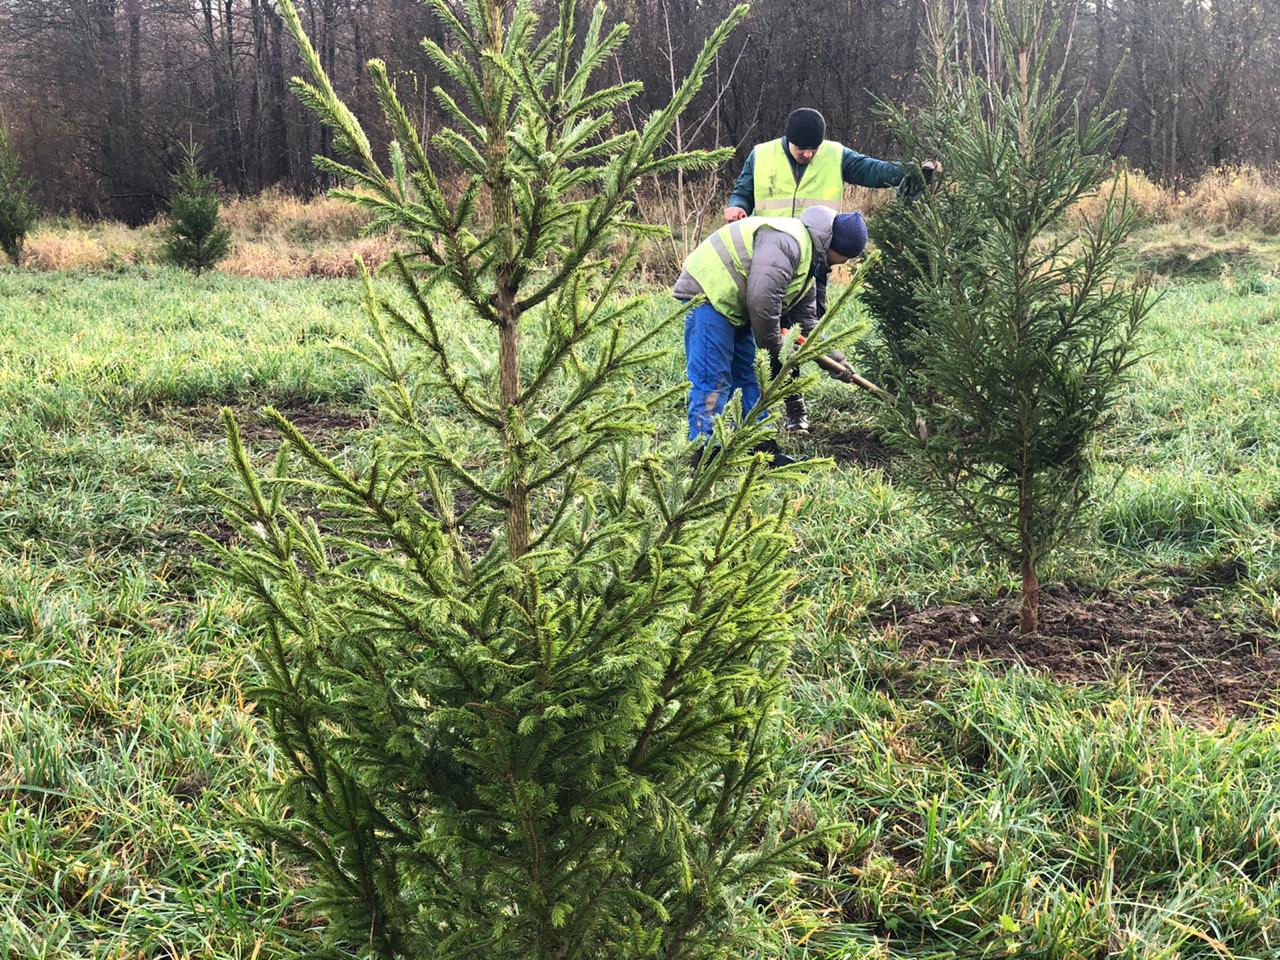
point(1198, 666)
point(857, 445)
point(204, 422)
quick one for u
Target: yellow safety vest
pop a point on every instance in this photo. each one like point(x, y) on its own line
point(722, 262)
point(777, 194)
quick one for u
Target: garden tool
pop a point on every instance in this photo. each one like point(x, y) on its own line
point(839, 369)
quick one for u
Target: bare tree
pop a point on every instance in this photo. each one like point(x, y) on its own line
point(101, 92)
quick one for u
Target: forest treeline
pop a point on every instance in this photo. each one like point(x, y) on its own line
point(101, 94)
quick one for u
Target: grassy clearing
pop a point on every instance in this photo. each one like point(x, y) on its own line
point(989, 811)
point(129, 752)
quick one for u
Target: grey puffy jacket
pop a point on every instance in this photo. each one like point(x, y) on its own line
point(775, 259)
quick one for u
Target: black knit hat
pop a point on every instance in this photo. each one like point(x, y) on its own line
point(806, 128)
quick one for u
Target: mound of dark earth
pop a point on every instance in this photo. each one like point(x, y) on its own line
point(857, 445)
point(1200, 667)
point(316, 421)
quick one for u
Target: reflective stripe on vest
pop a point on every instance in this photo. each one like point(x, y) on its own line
point(722, 263)
point(777, 194)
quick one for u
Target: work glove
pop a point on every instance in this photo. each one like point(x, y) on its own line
point(839, 369)
point(916, 177)
point(911, 186)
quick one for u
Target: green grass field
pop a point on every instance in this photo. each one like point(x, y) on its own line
point(989, 812)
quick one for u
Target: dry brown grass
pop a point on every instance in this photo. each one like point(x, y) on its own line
point(1151, 201)
point(273, 235)
point(270, 260)
point(276, 214)
point(866, 200)
point(1240, 198)
point(69, 245)
point(277, 235)
point(1234, 198)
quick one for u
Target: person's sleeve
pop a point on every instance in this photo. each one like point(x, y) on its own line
point(864, 171)
point(804, 313)
point(774, 262)
point(743, 195)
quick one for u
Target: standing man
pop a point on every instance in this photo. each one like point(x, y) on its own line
point(758, 275)
point(801, 170)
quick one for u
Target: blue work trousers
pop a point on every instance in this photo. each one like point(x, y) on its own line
point(721, 359)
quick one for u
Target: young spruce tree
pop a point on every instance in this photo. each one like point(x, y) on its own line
point(524, 675)
point(195, 239)
point(17, 210)
point(1016, 330)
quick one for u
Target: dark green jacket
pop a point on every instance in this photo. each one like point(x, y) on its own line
point(859, 170)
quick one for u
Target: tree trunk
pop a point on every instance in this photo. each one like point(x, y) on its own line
point(255, 93)
point(328, 56)
point(219, 152)
point(360, 81)
point(133, 95)
point(278, 139)
point(215, 78)
point(1101, 77)
point(517, 491)
point(133, 11)
point(111, 95)
point(1029, 618)
point(232, 104)
point(505, 300)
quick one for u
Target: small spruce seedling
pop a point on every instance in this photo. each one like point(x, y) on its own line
point(196, 240)
point(17, 209)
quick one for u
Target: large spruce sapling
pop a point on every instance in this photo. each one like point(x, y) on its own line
point(524, 673)
point(17, 209)
point(195, 239)
point(1018, 328)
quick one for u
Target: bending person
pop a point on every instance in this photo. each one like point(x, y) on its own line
point(759, 276)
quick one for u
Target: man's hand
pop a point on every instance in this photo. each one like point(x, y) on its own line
point(911, 186)
point(734, 213)
point(916, 177)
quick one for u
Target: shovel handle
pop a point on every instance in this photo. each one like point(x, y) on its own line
point(847, 374)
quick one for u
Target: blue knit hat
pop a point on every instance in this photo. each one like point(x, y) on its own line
point(848, 234)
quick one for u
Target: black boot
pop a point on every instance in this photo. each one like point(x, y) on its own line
point(700, 452)
point(776, 457)
point(797, 420)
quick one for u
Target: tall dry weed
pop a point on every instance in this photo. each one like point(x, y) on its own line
point(1151, 201)
point(270, 260)
point(865, 200)
point(1229, 198)
point(274, 213)
point(276, 235)
point(68, 245)
point(1238, 198)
